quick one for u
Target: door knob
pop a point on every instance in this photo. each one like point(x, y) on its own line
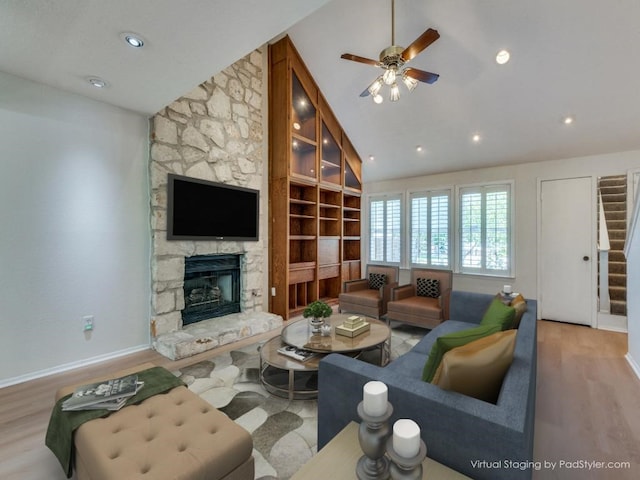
point(586, 258)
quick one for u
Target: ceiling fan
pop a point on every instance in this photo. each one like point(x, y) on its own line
point(393, 60)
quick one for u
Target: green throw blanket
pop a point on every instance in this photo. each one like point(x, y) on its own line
point(62, 425)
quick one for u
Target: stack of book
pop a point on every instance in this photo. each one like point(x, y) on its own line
point(353, 326)
point(109, 394)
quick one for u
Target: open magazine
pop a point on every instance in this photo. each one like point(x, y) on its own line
point(109, 394)
point(297, 353)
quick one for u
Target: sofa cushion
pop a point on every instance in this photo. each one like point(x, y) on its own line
point(377, 280)
point(445, 343)
point(428, 287)
point(424, 306)
point(367, 298)
point(409, 364)
point(477, 368)
point(498, 314)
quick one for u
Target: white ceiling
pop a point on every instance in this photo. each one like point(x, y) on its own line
point(61, 42)
point(578, 57)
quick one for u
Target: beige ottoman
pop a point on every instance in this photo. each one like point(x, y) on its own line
point(174, 436)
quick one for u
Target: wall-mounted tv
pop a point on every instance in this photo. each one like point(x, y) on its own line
point(202, 210)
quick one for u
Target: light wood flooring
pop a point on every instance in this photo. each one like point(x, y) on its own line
point(588, 406)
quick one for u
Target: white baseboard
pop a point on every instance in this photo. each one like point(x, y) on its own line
point(634, 366)
point(614, 323)
point(70, 366)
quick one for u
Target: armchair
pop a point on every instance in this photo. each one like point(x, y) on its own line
point(425, 301)
point(358, 297)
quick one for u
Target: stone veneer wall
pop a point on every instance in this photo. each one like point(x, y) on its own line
point(215, 132)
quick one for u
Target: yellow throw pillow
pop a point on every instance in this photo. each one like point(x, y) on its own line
point(520, 306)
point(477, 368)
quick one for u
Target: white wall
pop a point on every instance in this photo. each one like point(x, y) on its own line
point(74, 230)
point(632, 252)
point(526, 178)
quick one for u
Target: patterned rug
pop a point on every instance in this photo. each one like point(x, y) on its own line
point(284, 432)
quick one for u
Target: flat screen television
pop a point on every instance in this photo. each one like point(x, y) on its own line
point(202, 210)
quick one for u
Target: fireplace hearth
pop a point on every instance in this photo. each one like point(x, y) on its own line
point(211, 287)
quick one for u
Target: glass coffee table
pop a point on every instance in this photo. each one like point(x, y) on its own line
point(294, 379)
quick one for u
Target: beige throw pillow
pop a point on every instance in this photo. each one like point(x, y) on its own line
point(477, 368)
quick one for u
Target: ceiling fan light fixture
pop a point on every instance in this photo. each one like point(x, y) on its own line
point(394, 93)
point(389, 76)
point(375, 87)
point(393, 60)
point(410, 83)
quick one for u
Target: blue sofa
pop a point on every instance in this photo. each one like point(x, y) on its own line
point(479, 439)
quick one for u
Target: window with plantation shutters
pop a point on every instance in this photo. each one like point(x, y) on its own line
point(429, 229)
point(485, 229)
point(385, 229)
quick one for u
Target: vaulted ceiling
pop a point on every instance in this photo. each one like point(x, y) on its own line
point(569, 57)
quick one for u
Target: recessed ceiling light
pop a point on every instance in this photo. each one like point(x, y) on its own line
point(476, 137)
point(371, 158)
point(97, 82)
point(502, 57)
point(133, 39)
point(419, 148)
point(568, 120)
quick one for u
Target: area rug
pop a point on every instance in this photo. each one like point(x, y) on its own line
point(283, 431)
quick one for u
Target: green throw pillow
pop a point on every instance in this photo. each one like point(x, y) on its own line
point(451, 340)
point(499, 314)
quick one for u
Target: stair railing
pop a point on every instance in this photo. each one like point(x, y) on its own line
point(603, 248)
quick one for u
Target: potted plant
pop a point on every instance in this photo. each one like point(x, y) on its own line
point(317, 311)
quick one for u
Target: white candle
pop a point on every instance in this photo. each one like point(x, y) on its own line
point(406, 438)
point(374, 398)
point(507, 289)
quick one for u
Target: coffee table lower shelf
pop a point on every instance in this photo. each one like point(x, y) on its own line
point(286, 377)
point(291, 384)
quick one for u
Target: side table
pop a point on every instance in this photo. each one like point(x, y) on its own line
point(339, 457)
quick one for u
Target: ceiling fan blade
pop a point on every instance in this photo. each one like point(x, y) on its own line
point(419, 44)
point(421, 75)
point(356, 58)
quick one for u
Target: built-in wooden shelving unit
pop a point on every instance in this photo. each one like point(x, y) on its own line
point(314, 190)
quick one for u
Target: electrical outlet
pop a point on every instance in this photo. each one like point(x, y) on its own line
point(87, 323)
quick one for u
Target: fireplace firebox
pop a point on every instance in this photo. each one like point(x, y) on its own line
point(211, 287)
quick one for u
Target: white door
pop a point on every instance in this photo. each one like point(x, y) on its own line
point(567, 250)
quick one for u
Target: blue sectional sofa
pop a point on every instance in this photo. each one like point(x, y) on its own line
point(480, 439)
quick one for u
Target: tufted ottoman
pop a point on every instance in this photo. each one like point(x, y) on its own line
point(176, 435)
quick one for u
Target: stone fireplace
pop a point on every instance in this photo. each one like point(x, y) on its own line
point(211, 287)
point(216, 132)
